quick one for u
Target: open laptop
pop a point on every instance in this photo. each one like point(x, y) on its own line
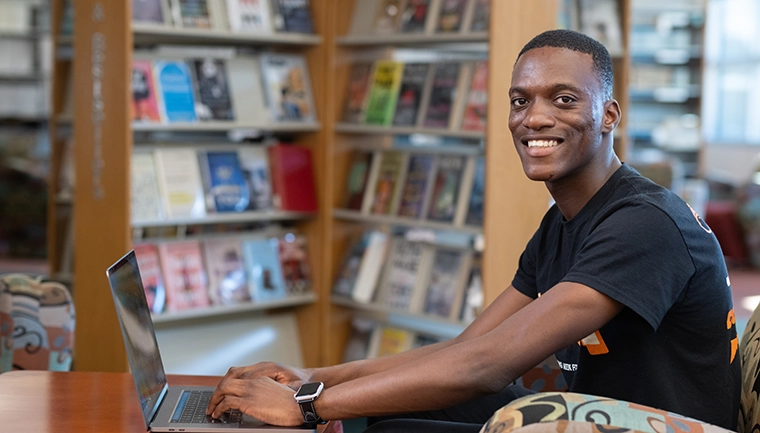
point(165, 408)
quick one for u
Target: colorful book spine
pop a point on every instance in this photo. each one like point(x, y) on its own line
point(412, 88)
point(442, 95)
point(416, 186)
point(383, 93)
point(226, 189)
point(175, 86)
point(144, 102)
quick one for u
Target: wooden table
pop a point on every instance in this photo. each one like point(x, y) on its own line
point(82, 402)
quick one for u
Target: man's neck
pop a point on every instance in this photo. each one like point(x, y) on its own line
point(571, 194)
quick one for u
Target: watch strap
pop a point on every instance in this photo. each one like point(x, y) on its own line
point(309, 412)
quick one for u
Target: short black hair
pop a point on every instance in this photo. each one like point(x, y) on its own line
point(576, 41)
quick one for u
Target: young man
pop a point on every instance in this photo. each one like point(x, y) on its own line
point(622, 281)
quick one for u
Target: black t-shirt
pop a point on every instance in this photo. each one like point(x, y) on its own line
point(674, 345)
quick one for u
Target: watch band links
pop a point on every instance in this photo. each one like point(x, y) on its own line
point(309, 412)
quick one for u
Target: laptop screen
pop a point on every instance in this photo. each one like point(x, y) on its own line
point(139, 336)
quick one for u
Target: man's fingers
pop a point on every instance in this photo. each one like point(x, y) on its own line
point(228, 402)
point(227, 387)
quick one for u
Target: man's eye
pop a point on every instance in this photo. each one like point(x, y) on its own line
point(565, 99)
point(519, 102)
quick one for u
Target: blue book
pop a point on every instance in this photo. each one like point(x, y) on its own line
point(265, 281)
point(175, 86)
point(225, 186)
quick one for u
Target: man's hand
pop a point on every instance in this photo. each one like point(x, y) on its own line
point(261, 398)
point(286, 375)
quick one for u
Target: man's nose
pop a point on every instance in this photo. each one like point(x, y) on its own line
point(539, 115)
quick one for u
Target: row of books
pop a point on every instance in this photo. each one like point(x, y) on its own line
point(370, 339)
point(447, 95)
point(251, 16)
point(386, 17)
point(181, 275)
point(412, 277)
point(446, 188)
point(245, 89)
point(187, 182)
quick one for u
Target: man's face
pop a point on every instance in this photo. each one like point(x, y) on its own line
point(558, 113)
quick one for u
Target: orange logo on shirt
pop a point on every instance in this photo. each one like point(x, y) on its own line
point(595, 344)
point(730, 324)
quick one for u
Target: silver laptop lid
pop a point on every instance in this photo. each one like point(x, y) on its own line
point(139, 336)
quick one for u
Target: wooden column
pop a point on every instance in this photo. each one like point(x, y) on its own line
point(103, 143)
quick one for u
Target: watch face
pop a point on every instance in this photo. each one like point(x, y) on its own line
point(308, 389)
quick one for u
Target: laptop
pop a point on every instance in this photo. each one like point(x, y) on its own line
point(165, 408)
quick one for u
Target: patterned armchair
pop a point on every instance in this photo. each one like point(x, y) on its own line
point(566, 412)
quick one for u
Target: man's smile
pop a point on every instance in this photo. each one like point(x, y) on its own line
point(542, 143)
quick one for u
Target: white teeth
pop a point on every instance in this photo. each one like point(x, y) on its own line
point(542, 143)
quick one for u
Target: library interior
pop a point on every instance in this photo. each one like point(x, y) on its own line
point(328, 180)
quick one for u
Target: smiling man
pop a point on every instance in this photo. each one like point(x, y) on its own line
point(622, 281)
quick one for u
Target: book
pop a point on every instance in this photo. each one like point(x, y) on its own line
point(292, 178)
point(445, 194)
point(145, 196)
point(387, 188)
point(174, 85)
point(473, 300)
point(480, 17)
point(443, 90)
point(357, 346)
point(424, 340)
point(356, 92)
point(192, 13)
point(225, 187)
point(600, 19)
point(179, 181)
point(417, 183)
point(149, 11)
point(249, 16)
point(265, 280)
point(294, 260)
point(225, 268)
point(450, 16)
point(373, 258)
point(387, 17)
point(356, 180)
point(292, 16)
point(387, 340)
point(446, 282)
point(349, 270)
point(476, 108)
point(287, 88)
point(413, 80)
point(255, 168)
point(150, 274)
point(184, 277)
point(363, 17)
point(477, 194)
point(248, 97)
point(383, 92)
point(402, 283)
point(415, 15)
point(144, 103)
point(212, 90)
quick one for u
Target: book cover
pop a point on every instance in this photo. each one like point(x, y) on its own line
point(477, 194)
point(294, 260)
point(392, 166)
point(212, 100)
point(383, 92)
point(287, 88)
point(175, 87)
point(145, 196)
point(372, 261)
point(292, 178)
point(356, 92)
point(424, 340)
point(388, 340)
point(179, 182)
point(192, 13)
point(292, 16)
point(402, 283)
point(442, 95)
point(476, 109)
point(416, 185)
point(600, 19)
point(144, 103)
point(265, 280)
point(450, 16)
point(349, 270)
point(446, 283)
point(150, 274)
point(184, 277)
point(473, 300)
point(481, 15)
point(148, 11)
point(445, 195)
point(356, 180)
point(249, 16)
point(413, 80)
point(414, 16)
point(358, 343)
point(255, 167)
point(387, 17)
point(225, 268)
point(225, 187)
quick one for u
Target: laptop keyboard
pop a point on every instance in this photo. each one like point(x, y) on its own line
point(191, 409)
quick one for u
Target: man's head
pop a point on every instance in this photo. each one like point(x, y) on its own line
point(583, 44)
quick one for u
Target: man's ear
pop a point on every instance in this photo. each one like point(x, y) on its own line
point(611, 116)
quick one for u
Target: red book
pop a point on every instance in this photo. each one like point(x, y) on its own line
point(292, 178)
